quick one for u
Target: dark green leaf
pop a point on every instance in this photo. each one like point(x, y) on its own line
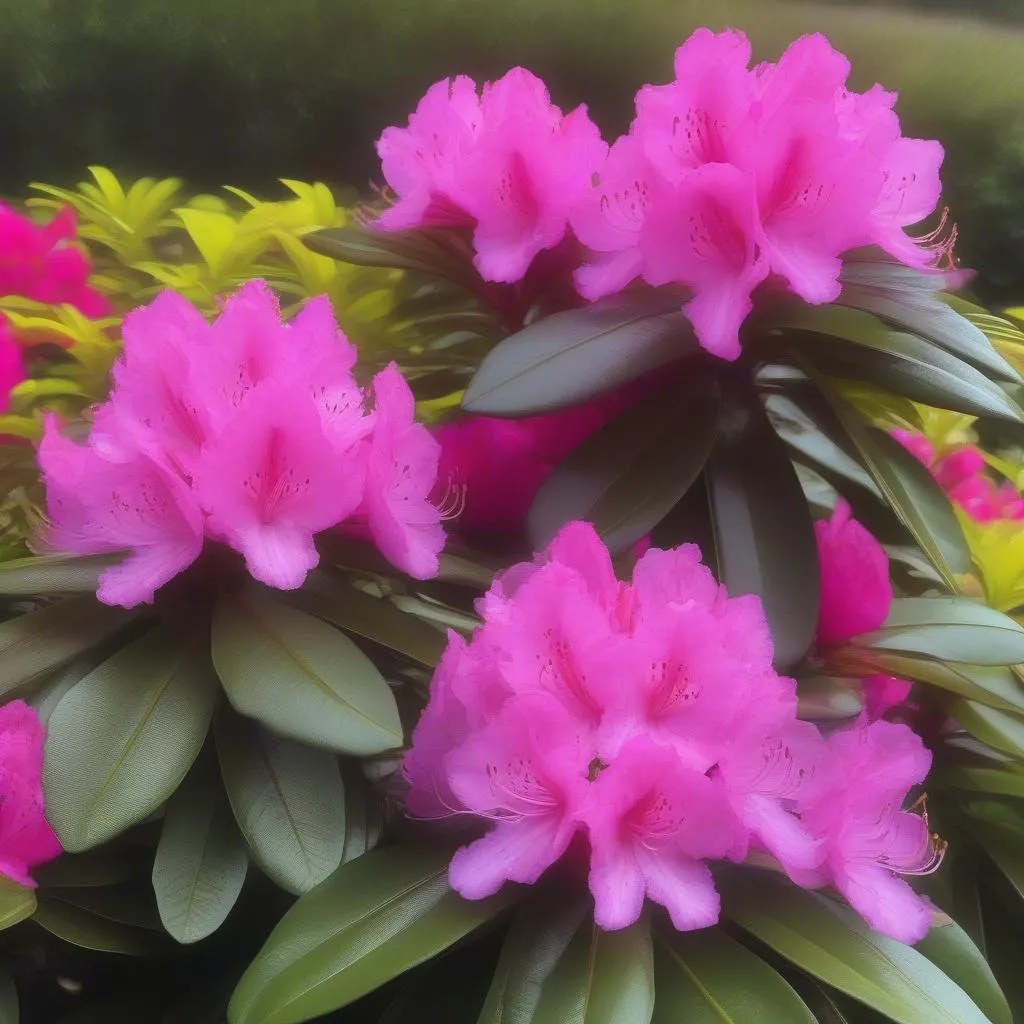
point(950, 948)
point(706, 977)
point(34, 644)
point(984, 780)
point(124, 904)
point(573, 356)
point(834, 945)
point(533, 947)
point(288, 801)
point(764, 536)
point(52, 574)
point(374, 619)
point(948, 628)
point(108, 865)
point(16, 902)
point(1006, 851)
point(851, 344)
point(918, 501)
point(122, 738)
point(996, 686)
point(372, 920)
point(827, 699)
point(626, 477)
point(1000, 729)
point(90, 931)
point(201, 860)
point(910, 299)
point(301, 677)
point(364, 815)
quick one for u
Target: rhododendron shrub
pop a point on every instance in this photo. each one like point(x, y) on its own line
point(247, 431)
point(648, 717)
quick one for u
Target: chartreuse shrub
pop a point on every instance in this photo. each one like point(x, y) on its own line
point(671, 674)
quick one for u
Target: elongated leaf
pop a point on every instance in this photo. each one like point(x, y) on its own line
point(764, 536)
point(108, 865)
point(131, 904)
point(301, 677)
point(984, 780)
point(90, 931)
point(819, 936)
point(918, 501)
point(537, 940)
point(52, 574)
point(996, 686)
point(629, 475)
point(34, 644)
point(16, 902)
point(373, 919)
point(375, 619)
point(573, 356)
point(1000, 729)
point(1007, 854)
point(122, 738)
point(364, 815)
point(909, 299)
point(288, 801)
point(863, 349)
point(950, 948)
point(709, 978)
point(948, 628)
point(201, 860)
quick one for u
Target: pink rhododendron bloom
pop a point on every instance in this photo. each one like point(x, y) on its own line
point(866, 838)
point(37, 263)
point(26, 839)
point(402, 470)
point(509, 163)
point(248, 431)
point(731, 173)
point(12, 365)
point(856, 592)
point(639, 713)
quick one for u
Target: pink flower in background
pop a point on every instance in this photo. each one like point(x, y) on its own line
point(26, 839)
point(248, 431)
point(867, 839)
point(961, 474)
point(12, 365)
point(730, 174)
point(856, 592)
point(509, 163)
point(37, 263)
point(496, 466)
point(856, 595)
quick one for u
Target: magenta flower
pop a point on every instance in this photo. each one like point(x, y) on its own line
point(961, 474)
point(26, 839)
point(866, 837)
point(729, 174)
point(249, 431)
point(856, 595)
point(509, 163)
point(12, 365)
point(37, 263)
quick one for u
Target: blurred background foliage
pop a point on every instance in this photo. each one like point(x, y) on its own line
point(239, 91)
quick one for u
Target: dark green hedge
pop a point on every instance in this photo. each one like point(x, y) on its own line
point(243, 91)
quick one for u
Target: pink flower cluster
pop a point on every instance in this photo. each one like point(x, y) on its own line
point(727, 175)
point(247, 431)
point(961, 474)
point(26, 839)
point(856, 595)
point(36, 262)
point(645, 720)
